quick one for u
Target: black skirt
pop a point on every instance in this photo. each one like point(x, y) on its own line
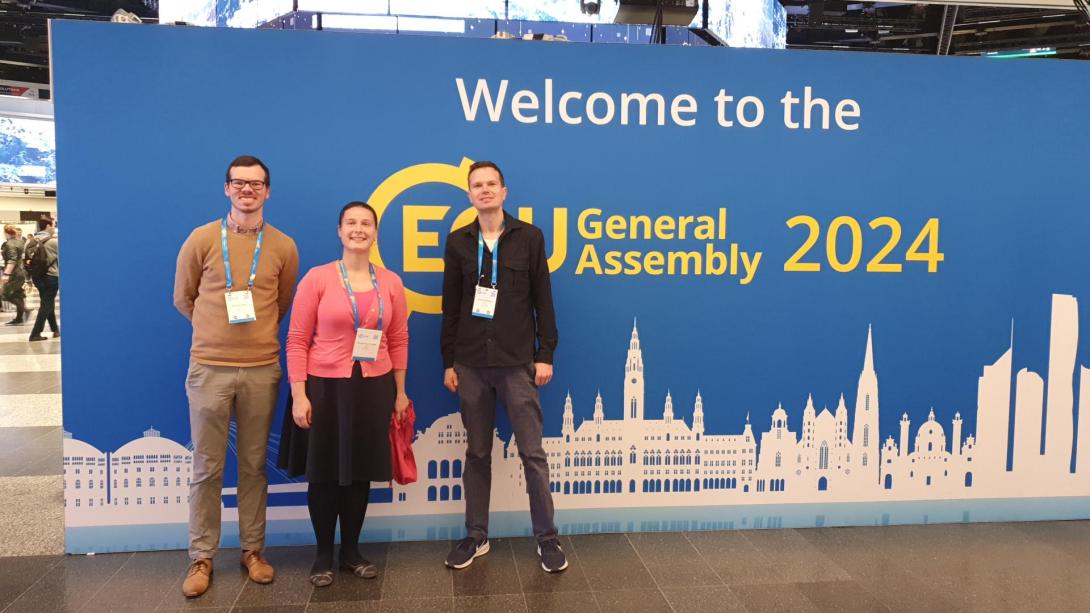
point(349, 435)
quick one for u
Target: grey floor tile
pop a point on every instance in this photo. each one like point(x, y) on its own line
point(29, 348)
point(773, 598)
point(416, 570)
point(207, 610)
point(291, 586)
point(713, 599)
point(17, 575)
point(70, 584)
point(139, 584)
point(350, 588)
point(32, 515)
point(632, 601)
point(561, 602)
point(495, 603)
point(288, 608)
point(795, 558)
point(610, 562)
point(494, 573)
point(903, 592)
point(841, 596)
point(672, 560)
point(417, 605)
point(734, 558)
point(1071, 537)
point(534, 579)
point(28, 382)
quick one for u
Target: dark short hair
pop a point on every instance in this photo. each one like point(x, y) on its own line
point(486, 164)
point(44, 223)
point(247, 160)
point(357, 204)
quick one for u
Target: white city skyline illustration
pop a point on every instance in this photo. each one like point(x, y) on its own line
point(640, 461)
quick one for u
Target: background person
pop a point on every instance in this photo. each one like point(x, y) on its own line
point(348, 349)
point(13, 289)
point(47, 279)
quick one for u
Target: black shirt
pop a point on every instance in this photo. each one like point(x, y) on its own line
point(523, 328)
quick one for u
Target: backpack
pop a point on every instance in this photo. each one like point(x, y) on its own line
point(38, 262)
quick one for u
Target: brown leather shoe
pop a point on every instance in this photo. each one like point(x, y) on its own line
point(197, 579)
point(260, 571)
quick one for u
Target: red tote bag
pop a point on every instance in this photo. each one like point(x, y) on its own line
point(402, 460)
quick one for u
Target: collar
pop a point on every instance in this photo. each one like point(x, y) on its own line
point(510, 224)
point(237, 229)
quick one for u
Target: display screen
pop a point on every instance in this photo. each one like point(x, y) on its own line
point(749, 23)
point(28, 151)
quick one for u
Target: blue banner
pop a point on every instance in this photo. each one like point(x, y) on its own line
point(792, 288)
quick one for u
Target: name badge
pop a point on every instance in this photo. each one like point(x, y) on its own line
point(240, 307)
point(366, 345)
point(484, 302)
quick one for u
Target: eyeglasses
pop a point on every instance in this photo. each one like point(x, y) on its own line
point(257, 186)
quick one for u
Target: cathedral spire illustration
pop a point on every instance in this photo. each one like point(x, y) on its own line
point(633, 378)
point(865, 436)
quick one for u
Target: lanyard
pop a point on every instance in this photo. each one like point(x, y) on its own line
point(495, 255)
point(352, 295)
point(227, 260)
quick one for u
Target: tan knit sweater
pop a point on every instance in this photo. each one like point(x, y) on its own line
point(200, 284)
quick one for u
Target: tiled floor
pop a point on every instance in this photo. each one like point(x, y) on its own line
point(1036, 567)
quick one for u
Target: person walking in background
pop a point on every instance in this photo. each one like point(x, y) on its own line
point(233, 281)
point(43, 265)
point(14, 274)
point(348, 349)
point(498, 338)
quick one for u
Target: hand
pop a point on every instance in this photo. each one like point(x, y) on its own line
point(450, 379)
point(543, 373)
point(401, 405)
point(301, 412)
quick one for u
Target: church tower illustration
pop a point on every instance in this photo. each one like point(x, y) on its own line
point(865, 436)
point(633, 379)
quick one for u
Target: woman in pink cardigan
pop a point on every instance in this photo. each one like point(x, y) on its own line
point(348, 348)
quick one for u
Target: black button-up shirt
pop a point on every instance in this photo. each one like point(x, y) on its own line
point(523, 328)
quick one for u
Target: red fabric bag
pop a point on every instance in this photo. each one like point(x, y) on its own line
point(402, 460)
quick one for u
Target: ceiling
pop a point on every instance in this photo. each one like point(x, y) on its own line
point(812, 24)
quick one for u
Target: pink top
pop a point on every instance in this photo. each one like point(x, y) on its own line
point(322, 331)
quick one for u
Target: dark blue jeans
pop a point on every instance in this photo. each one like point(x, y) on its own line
point(478, 390)
point(47, 289)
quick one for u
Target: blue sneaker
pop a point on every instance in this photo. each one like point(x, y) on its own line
point(463, 553)
point(552, 556)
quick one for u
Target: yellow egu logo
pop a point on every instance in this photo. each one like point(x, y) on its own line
point(413, 238)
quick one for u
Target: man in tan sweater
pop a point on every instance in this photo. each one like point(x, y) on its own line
point(234, 364)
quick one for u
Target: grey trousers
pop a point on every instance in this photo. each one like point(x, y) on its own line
point(478, 389)
point(215, 393)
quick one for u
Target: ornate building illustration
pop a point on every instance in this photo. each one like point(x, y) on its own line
point(655, 458)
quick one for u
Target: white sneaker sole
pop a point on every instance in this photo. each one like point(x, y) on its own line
point(483, 549)
point(550, 570)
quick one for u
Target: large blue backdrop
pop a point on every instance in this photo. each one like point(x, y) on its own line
point(865, 225)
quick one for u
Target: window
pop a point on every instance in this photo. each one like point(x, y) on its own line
point(823, 456)
point(433, 471)
point(866, 433)
point(444, 470)
point(457, 470)
point(779, 459)
point(431, 492)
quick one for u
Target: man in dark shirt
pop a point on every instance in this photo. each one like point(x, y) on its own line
point(498, 338)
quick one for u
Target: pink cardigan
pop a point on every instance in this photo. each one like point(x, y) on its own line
point(321, 332)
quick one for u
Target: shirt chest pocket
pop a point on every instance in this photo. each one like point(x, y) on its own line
point(515, 274)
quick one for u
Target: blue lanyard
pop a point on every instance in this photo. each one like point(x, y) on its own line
point(227, 260)
point(352, 295)
point(495, 255)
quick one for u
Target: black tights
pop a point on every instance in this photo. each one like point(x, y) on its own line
point(327, 502)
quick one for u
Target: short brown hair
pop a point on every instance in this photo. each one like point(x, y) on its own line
point(248, 160)
point(486, 164)
point(9, 229)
